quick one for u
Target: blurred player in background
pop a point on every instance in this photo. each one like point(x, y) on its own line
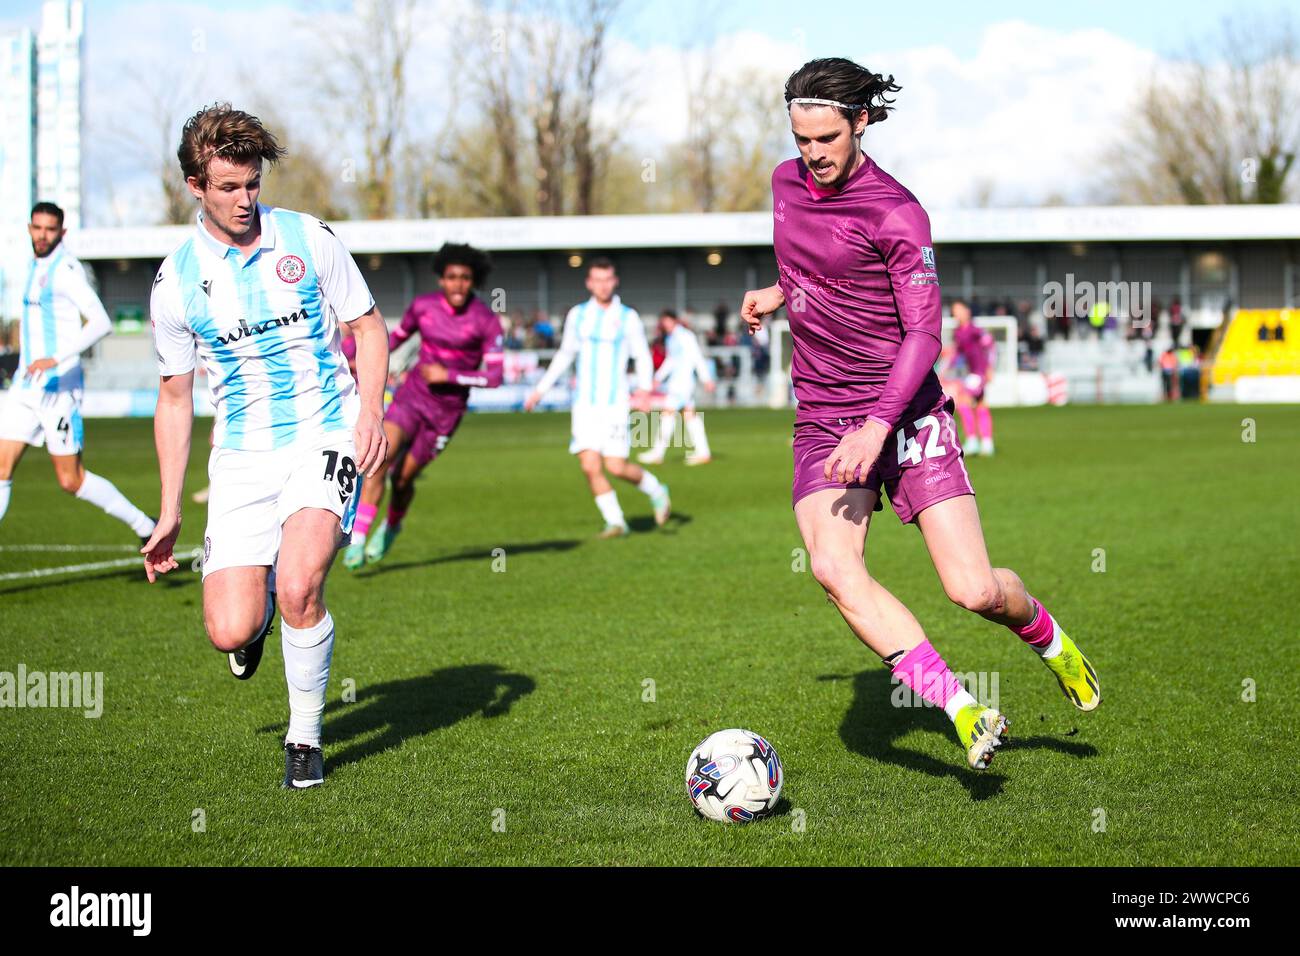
point(975, 349)
point(43, 406)
point(858, 278)
point(683, 363)
point(460, 348)
point(257, 295)
point(602, 333)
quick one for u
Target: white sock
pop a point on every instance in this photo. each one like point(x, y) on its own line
point(957, 701)
point(307, 653)
point(667, 425)
point(649, 484)
point(4, 496)
point(695, 428)
point(609, 507)
point(104, 495)
point(1054, 647)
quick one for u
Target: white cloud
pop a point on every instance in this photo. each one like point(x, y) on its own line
point(1030, 111)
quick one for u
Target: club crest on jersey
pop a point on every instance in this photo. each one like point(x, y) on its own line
point(842, 231)
point(290, 269)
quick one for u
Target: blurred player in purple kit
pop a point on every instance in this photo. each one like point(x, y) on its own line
point(858, 278)
point(460, 348)
point(974, 347)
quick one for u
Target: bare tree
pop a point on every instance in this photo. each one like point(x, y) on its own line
point(536, 148)
point(158, 104)
point(1220, 127)
point(366, 83)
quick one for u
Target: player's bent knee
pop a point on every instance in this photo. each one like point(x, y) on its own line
point(836, 573)
point(70, 483)
point(299, 598)
point(230, 635)
point(982, 597)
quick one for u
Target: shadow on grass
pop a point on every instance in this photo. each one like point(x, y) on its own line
point(394, 711)
point(473, 554)
point(872, 725)
point(647, 523)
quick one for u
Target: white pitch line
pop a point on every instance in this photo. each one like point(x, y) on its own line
point(68, 547)
point(138, 560)
point(73, 569)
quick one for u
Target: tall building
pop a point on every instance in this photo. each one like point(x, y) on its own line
point(41, 94)
point(17, 161)
point(59, 88)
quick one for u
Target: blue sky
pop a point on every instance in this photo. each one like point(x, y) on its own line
point(1161, 26)
point(1011, 105)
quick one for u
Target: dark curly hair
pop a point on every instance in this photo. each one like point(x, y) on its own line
point(841, 80)
point(461, 254)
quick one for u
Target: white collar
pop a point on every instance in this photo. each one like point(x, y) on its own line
point(265, 241)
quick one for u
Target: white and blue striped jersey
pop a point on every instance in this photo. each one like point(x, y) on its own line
point(266, 329)
point(601, 340)
point(55, 298)
point(683, 361)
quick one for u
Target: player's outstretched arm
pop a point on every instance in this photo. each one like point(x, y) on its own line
point(759, 303)
point(371, 335)
point(173, 420)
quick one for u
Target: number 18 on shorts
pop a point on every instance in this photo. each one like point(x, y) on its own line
point(255, 492)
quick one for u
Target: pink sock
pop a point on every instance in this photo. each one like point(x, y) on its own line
point(967, 419)
point(1038, 632)
point(985, 419)
point(365, 517)
point(923, 670)
point(395, 517)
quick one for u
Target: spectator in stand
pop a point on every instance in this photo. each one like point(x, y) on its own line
point(1168, 373)
point(721, 313)
point(1176, 320)
point(543, 330)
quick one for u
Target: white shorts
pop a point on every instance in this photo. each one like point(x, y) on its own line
point(600, 429)
point(676, 400)
point(52, 419)
point(255, 492)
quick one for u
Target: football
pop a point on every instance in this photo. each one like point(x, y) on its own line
point(734, 776)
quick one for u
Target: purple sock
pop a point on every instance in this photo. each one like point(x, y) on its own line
point(395, 518)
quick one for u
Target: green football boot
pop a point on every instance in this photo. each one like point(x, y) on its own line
point(380, 541)
point(354, 555)
point(1076, 675)
point(981, 731)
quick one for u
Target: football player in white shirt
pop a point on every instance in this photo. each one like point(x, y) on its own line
point(601, 334)
point(683, 363)
point(257, 294)
point(43, 406)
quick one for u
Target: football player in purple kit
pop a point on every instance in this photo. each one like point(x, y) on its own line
point(975, 348)
point(857, 276)
point(460, 348)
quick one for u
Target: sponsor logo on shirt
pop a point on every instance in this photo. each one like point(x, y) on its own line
point(290, 269)
point(779, 212)
point(244, 329)
point(927, 256)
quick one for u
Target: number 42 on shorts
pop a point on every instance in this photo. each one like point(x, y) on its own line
point(910, 451)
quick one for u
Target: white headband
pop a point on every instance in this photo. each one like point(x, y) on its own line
point(812, 101)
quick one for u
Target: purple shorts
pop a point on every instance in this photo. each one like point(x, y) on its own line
point(929, 468)
point(429, 419)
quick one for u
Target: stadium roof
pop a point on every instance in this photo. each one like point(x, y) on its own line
point(732, 230)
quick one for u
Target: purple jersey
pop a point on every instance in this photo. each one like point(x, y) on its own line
point(976, 346)
point(858, 273)
point(460, 342)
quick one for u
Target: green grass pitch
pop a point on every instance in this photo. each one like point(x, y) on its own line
point(500, 716)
